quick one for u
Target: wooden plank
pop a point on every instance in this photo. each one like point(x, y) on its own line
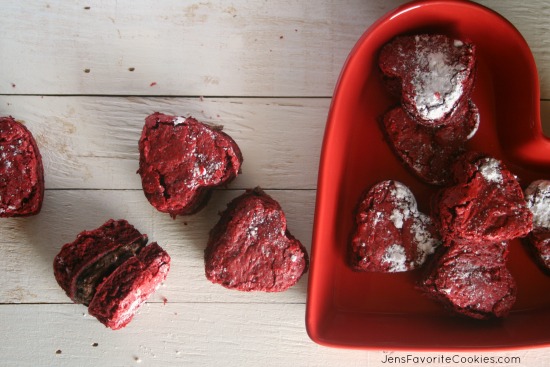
point(29, 245)
point(166, 335)
point(191, 334)
point(246, 48)
point(91, 142)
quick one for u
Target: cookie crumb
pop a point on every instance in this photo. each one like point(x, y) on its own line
point(137, 359)
point(87, 8)
point(131, 69)
point(58, 351)
point(86, 71)
point(95, 344)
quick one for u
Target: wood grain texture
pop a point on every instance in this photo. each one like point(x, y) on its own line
point(190, 334)
point(215, 48)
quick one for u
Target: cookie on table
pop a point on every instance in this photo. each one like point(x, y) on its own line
point(112, 270)
point(472, 280)
point(119, 296)
point(82, 264)
point(429, 152)
point(433, 74)
point(182, 160)
point(251, 249)
point(21, 171)
point(537, 196)
point(485, 203)
point(390, 234)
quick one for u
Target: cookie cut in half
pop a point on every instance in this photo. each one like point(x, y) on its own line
point(251, 249)
point(391, 235)
point(21, 171)
point(112, 270)
point(182, 160)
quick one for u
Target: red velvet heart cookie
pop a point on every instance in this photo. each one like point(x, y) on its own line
point(435, 74)
point(391, 235)
point(537, 196)
point(251, 249)
point(182, 160)
point(472, 280)
point(120, 295)
point(428, 152)
point(112, 270)
point(21, 171)
point(82, 264)
point(486, 204)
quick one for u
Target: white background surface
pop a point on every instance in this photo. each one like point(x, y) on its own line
point(83, 75)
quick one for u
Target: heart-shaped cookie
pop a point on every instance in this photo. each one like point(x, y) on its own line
point(182, 160)
point(435, 73)
point(21, 171)
point(537, 196)
point(486, 204)
point(119, 296)
point(391, 235)
point(472, 280)
point(428, 152)
point(82, 264)
point(112, 270)
point(250, 248)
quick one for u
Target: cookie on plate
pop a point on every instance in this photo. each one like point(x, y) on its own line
point(434, 74)
point(429, 152)
point(537, 196)
point(391, 235)
point(472, 280)
point(182, 160)
point(251, 249)
point(485, 204)
point(21, 171)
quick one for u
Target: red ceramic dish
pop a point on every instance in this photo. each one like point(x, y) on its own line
point(385, 311)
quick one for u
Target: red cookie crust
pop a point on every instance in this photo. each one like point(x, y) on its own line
point(21, 171)
point(486, 204)
point(435, 74)
point(120, 295)
point(90, 256)
point(251, 249)
point(472, 280)
point(112, 270)
point(182, 160)
point(391, 235)
point(429, 152)
point(537, 196)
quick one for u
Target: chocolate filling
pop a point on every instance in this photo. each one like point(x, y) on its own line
point(93, 274)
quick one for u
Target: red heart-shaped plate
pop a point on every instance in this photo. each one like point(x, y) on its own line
point(386, 311)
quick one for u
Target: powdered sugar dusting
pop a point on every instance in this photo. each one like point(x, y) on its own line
point(405, 204)
point(490, 170)
point(537, 196)
point(179, 120)
point(395, 256)
point(425, 242)
point(438, 82)
point(476, 126)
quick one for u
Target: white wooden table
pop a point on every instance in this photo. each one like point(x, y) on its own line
point(83, 75)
